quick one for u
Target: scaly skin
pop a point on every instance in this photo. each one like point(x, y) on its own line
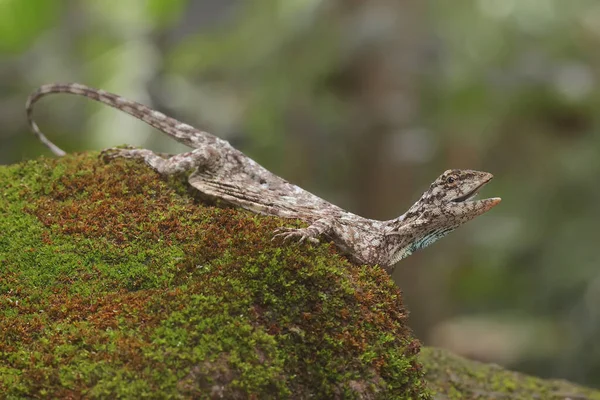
point(225, 173)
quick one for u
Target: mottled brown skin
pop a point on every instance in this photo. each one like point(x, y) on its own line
point(223, 172)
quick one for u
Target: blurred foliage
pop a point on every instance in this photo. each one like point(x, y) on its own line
point(365, 103)
point(22, 21)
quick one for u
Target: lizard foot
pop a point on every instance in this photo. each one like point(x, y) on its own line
point(299, 234)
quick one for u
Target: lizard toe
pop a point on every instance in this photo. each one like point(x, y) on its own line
point(298, 234)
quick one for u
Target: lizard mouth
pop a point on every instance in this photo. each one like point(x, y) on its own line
point(470, 195)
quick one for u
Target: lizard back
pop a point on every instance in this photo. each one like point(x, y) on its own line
point(241, 181)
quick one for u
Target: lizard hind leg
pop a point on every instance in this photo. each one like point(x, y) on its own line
point(165, 166)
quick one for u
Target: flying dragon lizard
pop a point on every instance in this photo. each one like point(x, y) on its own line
point(221, 171)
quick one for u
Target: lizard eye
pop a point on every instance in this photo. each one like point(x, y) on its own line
point(450, 179)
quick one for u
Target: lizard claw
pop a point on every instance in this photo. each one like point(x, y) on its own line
point(284, 229)
point(299, 234)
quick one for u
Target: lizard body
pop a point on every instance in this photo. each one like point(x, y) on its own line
point(221, 171)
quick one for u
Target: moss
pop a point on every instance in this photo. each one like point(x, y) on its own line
point(116, 283)
point(453, 377)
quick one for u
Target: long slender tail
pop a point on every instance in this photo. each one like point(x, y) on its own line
point(181, 132)
point(33, 97)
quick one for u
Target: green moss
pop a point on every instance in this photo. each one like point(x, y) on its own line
point(453, 377)
point(116, 283)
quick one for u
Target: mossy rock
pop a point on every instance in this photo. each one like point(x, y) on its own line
point(117, 283)
point(454, 378)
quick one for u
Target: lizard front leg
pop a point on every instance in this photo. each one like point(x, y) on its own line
point(323, 226)
point(362, 241)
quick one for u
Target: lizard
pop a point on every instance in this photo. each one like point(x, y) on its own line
point(220, 171)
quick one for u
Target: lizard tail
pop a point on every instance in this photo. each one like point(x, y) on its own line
point(33, 97)
point(181, 132)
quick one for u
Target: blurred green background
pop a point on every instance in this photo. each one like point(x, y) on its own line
point(365, 103)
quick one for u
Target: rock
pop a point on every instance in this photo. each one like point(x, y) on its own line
point(117, 283)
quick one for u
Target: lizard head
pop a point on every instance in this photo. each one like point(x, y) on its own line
point(447, 204)
point(455, 189)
